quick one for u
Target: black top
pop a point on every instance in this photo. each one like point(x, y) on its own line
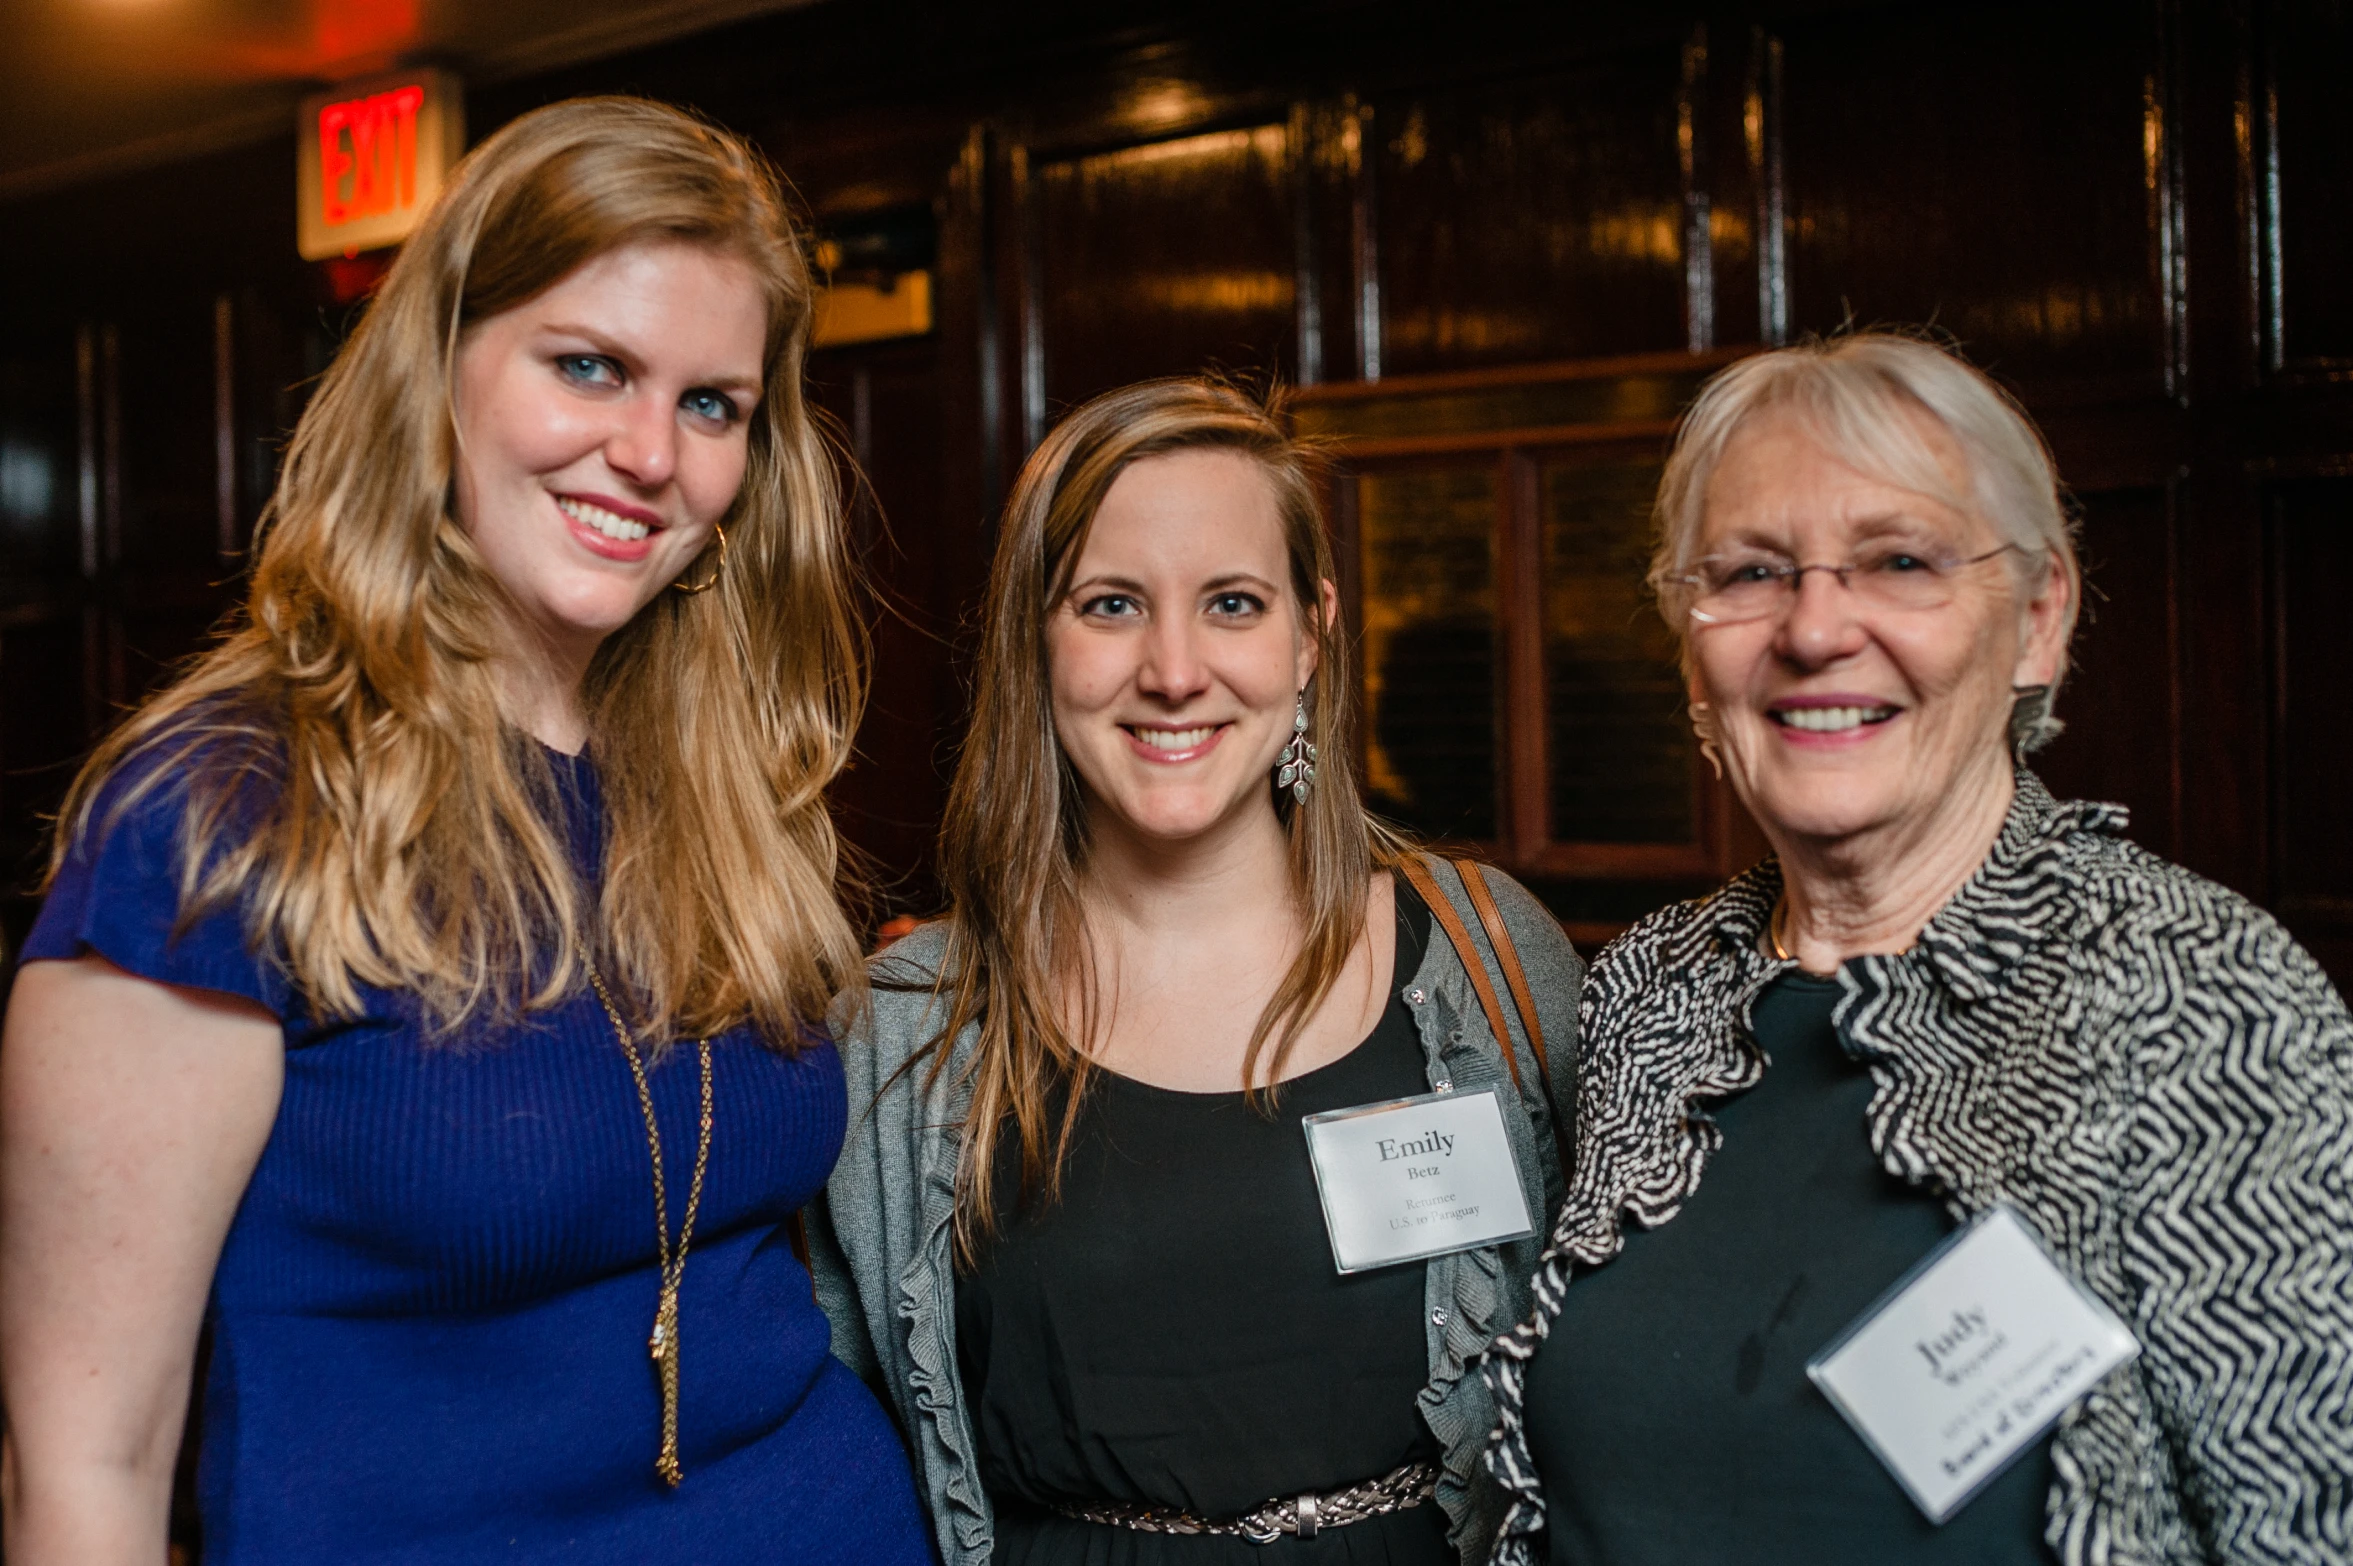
point(1173, 1331)
point(1669, 1409)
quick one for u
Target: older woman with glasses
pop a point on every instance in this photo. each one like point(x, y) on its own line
point(1951, 1021)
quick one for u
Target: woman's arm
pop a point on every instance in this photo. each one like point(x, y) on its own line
point(131, 1116)
point(837, 1295)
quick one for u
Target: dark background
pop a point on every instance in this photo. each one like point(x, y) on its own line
point(2135, 214)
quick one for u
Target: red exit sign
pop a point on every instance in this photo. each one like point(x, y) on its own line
point(371, 158)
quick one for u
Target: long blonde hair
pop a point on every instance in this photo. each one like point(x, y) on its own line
point(406, 838)
point(1014, 839)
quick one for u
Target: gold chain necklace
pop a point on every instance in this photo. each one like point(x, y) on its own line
point(664, 1342)
point(1774, 924)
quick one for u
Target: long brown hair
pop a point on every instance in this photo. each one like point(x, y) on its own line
point(1014, 841)
point(406, 842)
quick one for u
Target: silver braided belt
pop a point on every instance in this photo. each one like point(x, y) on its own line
point(1305, 1515)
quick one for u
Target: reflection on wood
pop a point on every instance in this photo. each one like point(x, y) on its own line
point(1536, 221)
point(1165, 259)
point(2003, 194)
point(38, 459)
point(1428, 569)
point(1647, 391)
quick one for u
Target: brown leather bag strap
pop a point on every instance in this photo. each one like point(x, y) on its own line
point(1474, 881)
point(1442, 909)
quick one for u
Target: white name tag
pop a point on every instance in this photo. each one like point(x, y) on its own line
point(1967, 1361)
point(1416, 1177)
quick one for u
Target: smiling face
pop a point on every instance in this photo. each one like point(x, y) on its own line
point(1178, 655)
point(1838, 717)
point(603, 433)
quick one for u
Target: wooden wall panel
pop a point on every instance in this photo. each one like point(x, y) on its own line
point(1162, 259)
point(2306, 171)
point(1987, 169)
point(165, 581)
point(2122, 700)
point(49, 505)
point(1531, 220)
point(165, 390)
point(887, 403)
point(2311, 635)
point(40, 481)
point(2130, 209)
point(43, 733)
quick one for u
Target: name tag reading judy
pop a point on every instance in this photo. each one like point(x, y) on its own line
point(1968, 1360)
point(1416, 1177)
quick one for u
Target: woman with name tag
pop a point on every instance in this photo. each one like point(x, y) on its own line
point(421, 1010)
point(1108, 1101)
point(1947, 997)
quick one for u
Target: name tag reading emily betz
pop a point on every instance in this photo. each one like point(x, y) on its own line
point(1416, 1177)
point(1967, 1361)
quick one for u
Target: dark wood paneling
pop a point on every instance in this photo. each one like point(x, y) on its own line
point(165, 390)
point(2306, 171)
point(42, 736)
point(1532, 220)
point(39, 444)
point(2122, 699)
point(1497, 187)
point(49, 505)
point(1163, 259)
point(1987, 169)
point(886, 401)
point(2312, 652)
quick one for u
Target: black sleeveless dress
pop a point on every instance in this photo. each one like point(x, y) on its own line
point(1173, 1331)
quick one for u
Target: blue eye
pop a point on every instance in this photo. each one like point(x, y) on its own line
point(1110, 606)
point(1235, 605)
point(1896, 560)
point(714, 406)
point(588, 369)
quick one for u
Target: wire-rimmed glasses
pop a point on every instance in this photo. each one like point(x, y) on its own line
point(1758, 584)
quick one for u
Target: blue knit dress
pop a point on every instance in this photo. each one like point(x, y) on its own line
point(430, 1318)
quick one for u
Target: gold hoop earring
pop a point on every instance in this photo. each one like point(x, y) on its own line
point(717, 571)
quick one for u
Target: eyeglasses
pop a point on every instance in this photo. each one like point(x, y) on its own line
point(1755, 584)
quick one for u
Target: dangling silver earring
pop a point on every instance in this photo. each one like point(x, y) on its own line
point(1295, 768)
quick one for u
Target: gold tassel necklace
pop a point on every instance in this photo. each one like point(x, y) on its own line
point(664, 1342)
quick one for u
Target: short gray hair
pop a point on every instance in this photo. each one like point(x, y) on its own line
point(1859, 394)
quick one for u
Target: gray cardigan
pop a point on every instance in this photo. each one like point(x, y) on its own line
point(881, 1244)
